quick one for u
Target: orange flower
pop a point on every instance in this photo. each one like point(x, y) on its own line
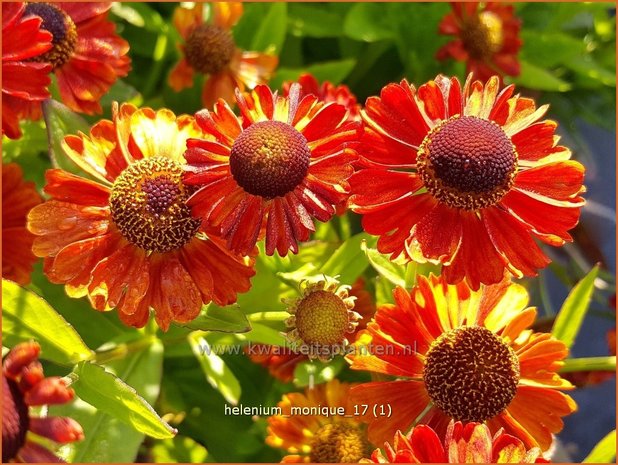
point(282, 361)
point(470, 443)
point(286, 163)
point(22, 79)
point(487, 38)
point(18, 197)
point(321, 435)
point(128, 240)
point(23, 386)
point(209, 49)
point(436, 337)
point(87, 55)
point(327, 92)
point(465, 178)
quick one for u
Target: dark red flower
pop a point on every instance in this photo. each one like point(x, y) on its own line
point(23, 386)
point(487, 38)
point(23, 79)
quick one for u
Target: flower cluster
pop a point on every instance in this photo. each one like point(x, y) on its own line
point(169, 212)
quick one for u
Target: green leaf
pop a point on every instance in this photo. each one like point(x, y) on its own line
point(139, 14)
point(180, 449)
point(26, 316)
point(368, 23)
point(111, 395)
point(216, 371)
point(108, 439)
point(571, 315)
point(534, 77)
point(604, 451)
point(315, 372)
point(61, 122)
point(121, 92)
point(384, 291)
point(228, 319)
point(271, 33)
point(590, 69)
point(395, 273)
point(349, 261)
point(589, 364)
point(263, 334)
point(313, 20)
point(548, 49)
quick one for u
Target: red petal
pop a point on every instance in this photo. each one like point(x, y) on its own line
point(439, 233)
point(242, 226)
point(59, 224)
point(477, 260)
point(26, 80)
point(549, 222)
point(19, 357)
point(513, 240)
point(219, 86)
point(179, 298)
point(373, 188)
point(537, 141)
point(60, 429)
point(397, 114)
point(562, 180)
point(35, 453)
point(324, 122)
point(67, 187)
point(50, 391)
point(125, 272)
point(407, 399)
point(279, 234)
point(433, 100)
point(426, 445)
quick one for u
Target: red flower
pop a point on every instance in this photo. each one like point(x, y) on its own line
point(23, 386)
point(487, 38)
point(128, 240)
point(209, 49)
point(18, 197)
point(435, 338)
point(469, 443)
point(465, 178)
point(87, 56)
point(22, 79)
point(327, 92)
point(286, 163)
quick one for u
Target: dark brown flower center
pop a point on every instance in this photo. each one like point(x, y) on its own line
point(482, 35)
point(209, 48)
point(322, 319)
point(471, 374)
point(148, 205)
point(269, 159)
point(339, 443)
point(467, 162)
point(15, 420)
point(62, 28)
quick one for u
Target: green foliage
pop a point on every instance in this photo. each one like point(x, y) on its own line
point(214, 318)
point(110, 395)
point(215, 370)
point(589, 364)
point(180, 449)
point(108, 438)
point(26, 316)
point(571, 315)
